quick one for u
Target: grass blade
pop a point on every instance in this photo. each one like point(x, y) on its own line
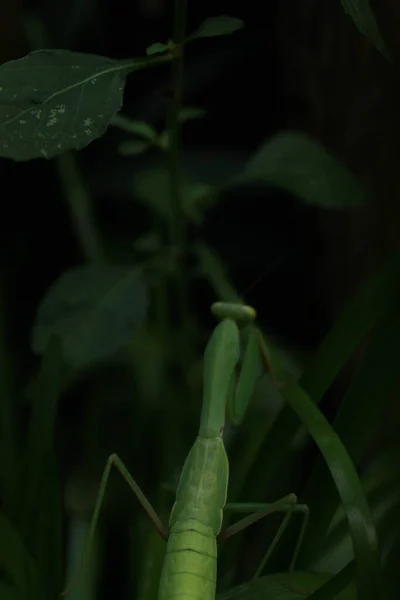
point(45, 395)
point(47, 538)
point(40, 513)
point(17, 568)
point(361, 314)
point(153, 553)
point(332, 588)
point(356, 421)
point(357, 319)
point(361, 527)
point(285, 586)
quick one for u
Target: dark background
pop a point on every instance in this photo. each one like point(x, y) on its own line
point(296, 64)
point(240, 80)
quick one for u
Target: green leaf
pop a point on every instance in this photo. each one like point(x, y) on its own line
point(151, 187)
point(149, 243)
point(284, 586)
point(133, 147)
point(185, 114)
point(188, 114)
point(56, 100)
point(139, 128)
point(95, 311)
point(293, 162)
point(163, 140)
point(363, 17)
point(158, 48)
point(214, 26)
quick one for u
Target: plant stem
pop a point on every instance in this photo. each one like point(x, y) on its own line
point(81, 209)
point(177, 218)
point(7, 416)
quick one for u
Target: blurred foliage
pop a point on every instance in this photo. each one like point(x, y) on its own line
point(111, 257)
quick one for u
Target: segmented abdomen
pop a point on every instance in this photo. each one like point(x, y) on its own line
point(190, 564)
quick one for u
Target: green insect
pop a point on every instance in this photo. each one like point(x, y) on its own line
point(190, 565)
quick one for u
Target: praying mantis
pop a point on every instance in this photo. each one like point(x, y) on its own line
point(190, 564)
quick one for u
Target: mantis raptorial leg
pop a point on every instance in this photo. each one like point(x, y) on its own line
point(256, 349)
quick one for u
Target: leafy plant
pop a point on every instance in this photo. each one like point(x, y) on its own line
point(141, 316)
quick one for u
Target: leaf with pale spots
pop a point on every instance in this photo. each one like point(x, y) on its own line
point(56, 100)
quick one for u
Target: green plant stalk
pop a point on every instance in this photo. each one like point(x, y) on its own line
point(177, 219)
point(81, 209)
point(7, 423)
